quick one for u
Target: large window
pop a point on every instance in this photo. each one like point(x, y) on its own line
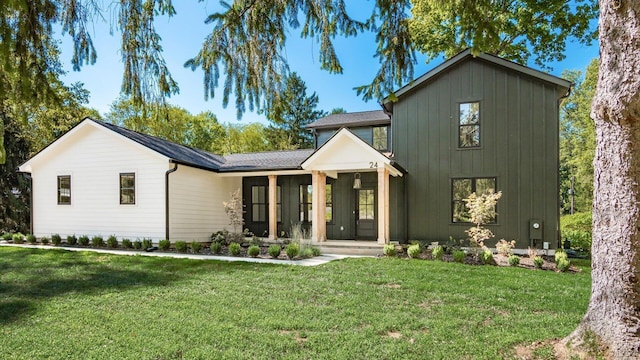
point(258, 203)
point(127, 188)
point(64, 190)
point(381, 138)
point(469, 125)
point(306, 192)
point(461, 189)
point(329, 203)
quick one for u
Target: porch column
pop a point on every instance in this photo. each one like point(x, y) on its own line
point(273, 211)
point(383, 206)
point(318, 206)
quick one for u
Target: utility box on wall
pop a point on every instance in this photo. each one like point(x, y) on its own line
point(535, 230)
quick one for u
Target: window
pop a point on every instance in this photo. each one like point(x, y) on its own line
point(461, 189)
point(366, 204)
point(258, 203)
point(381, 138)
point(127, 188)
point(64, 190)
point(305, 203)
point(329, 201)
point(469, 125)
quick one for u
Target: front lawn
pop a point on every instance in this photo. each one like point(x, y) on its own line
point(81, 305)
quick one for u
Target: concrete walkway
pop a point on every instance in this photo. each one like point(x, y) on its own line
point(318, 260)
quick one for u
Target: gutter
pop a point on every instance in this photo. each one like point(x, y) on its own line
point(166, 197)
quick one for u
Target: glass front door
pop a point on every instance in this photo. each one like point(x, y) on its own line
point(366, 214)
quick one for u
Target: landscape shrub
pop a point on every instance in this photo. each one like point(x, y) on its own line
point(253, 251)
point(538, 262)
point(164, 245)
point(235, 249)
point(413, 251)
point(459, 256)
point(137, 244)
point(220, 237)
point(31, 239)
point(56, 239)
point(72, 240)
point(487, 256)
point(437, 252)
point(181, 246)
point(216, 247)
point(126, 243)
point(389, 250)
point(274, 250)
point(514, 260)
point(481, 211)
point(147, 243)
point(560, 254)
point(97, 241)
point(504, 247)
point(83, 240)
point(576, 229)
point(315, 251)
point(292, 250)
point(563, 264)
point(112, 241)
point(7, 236)
point(18, 238)
point(196, 247)
point(44, 240)
point(255, 241)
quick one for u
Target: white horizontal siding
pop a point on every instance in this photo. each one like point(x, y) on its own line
point(195, 202)
point(94, 158)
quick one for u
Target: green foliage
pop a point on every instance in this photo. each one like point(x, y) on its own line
point(220, 237)
point(31, 239)
point(274, 250)
point(147, 243)
point(292, 250)
point(127, 244)
point(563, 264)
point(7, 236)
point(576, 229)
point(137, 244)
point(487, 256)
point(235, 249)
point(514, 260)
point(72, 240)
point(389, 250)
point(253, 251)
point(315, 251)
point(306, 253)
point(15, 190)
point(196, 246)
point(44, 240)
point(538, 262)
point(459, 256)
point(414, 251)
point(83, 240)
point(560, 254)
point(97, 241)
point(216, 247)
point(164, 245)
point(112, 241)
point(437, 252)
point(18, 238)
point(56, 239)
point(181, 246)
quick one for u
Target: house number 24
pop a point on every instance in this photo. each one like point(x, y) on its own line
point(373, 165)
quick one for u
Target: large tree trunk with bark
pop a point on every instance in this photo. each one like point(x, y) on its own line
point(613, 316)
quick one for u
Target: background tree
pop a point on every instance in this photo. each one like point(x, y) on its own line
point(613, 315)
point(243, 138)
point(290, 114)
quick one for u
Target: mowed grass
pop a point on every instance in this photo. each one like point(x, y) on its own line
point(81, 305)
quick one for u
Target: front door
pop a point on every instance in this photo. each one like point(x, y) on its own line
point(365, 214)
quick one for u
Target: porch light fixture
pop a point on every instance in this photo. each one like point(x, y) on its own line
point(357, 184)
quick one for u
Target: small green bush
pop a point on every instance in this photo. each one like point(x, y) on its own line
point(216, 247)
point(538, 262)
point(459, 256)
point(181, 246)
point(514, 260)
point(137, 244)
point(97, 241)
point(146, 243)
point(196, 247)
point(576, 229)
point(316, 251)
point(389, 250)
point(306, 253)
point(220, 237)
point(487, 256)
point(72, 240)
point(7, 236)
point(235, 249)
point(274, 250)
point(563, 264)
point(164, 245)
point(18, 238)
point(413, 251)
point(56, 239)
point(112, 241)
point(83, 240)
point(560, 254)
point(292, 250)
point(253, 251)
point(437, 252)
point(127, 244)
point(44, 240)
point(31, 239)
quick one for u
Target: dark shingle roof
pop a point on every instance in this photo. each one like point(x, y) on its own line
point(271, 160)
point(179, 153)
point(336, 121)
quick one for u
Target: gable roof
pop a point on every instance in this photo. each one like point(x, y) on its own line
point(270, 160)
point(363, 118)
point(466, 55)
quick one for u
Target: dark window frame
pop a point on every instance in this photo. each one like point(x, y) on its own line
point(328, 202)
point(305, 203)
point(460, 202)
point(476, 125)
point(60, 188)
point(386, 137)
point(122, 188)
point(260, 205)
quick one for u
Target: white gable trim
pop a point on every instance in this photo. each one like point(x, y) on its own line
point(69, 136)
point(345, 151)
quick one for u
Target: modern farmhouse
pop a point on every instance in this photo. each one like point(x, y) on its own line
point(472, 124)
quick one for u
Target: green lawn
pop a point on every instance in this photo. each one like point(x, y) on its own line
point(82, 305)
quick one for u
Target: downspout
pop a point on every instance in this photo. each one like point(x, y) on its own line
point(28, 176)
point(166, 198)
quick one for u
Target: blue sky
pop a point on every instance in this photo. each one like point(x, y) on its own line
point(182, 36)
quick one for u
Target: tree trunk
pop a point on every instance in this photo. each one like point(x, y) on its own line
point(613, 315)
